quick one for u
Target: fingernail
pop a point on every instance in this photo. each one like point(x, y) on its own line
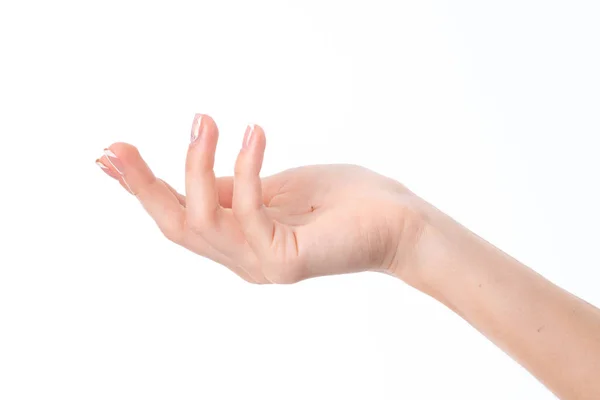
point(196, 128)
point(248, 136)
point(114, 161)
point(107, 170)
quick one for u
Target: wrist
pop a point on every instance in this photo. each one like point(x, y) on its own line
point(433, 252)
point(452, 264)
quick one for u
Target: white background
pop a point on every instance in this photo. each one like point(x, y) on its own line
point(489, 110)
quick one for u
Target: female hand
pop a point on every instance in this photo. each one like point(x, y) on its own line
point(333, 219)
point(300, 223)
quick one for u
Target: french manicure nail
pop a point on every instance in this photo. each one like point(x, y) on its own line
point(196, 128)
point(248, 136)
point(107, 170)
point(114, 160)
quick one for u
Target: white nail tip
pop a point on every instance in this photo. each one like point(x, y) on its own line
point(196, 129)
point(109, 153)
point(98, 163)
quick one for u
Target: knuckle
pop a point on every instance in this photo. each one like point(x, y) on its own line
point(201, 223)
point(195, 226)
point(190, 168)
point(172, 232)
point(283, 273)
point(250, 272)
point(239, 169)
point(255, 282)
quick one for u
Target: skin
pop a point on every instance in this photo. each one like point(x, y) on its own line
point(333, 219)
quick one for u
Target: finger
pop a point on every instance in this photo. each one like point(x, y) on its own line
point(224, 187)
point(225, 190)
point(204, 216)
point(200, 182)
point(248, 206)
point(180, 198)
point(107, 167)
point(163, 203)
point(123, 162)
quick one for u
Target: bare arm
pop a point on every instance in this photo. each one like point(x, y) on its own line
point(552, 333)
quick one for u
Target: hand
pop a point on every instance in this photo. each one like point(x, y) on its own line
point(333, 219)
point(300, 223)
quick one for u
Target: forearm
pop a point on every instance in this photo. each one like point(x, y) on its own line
point(552, 333)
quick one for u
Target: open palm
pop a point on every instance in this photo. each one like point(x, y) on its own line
point(300, 223)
